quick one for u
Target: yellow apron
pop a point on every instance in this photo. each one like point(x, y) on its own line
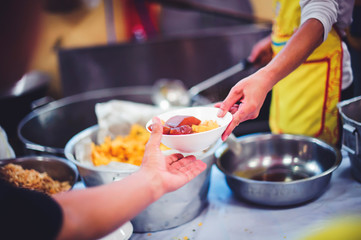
point(305, 101)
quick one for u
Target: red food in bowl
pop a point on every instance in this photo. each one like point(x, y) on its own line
point(184, 129)
point(181, 120)
point(178, 125)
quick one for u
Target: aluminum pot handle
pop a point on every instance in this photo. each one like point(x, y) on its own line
point(349, 133)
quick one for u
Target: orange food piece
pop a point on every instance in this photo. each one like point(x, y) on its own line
point(127, 149)
point(205, 126)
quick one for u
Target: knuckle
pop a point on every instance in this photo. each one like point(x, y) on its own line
point(236, 91)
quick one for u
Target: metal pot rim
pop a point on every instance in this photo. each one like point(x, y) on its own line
point(44, 158)
point(134, 90)
point(344, 103)
point(252, 137)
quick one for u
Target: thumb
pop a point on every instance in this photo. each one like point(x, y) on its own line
point(156, 134)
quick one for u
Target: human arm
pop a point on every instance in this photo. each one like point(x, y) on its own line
point(250, 92)
point(94, 212)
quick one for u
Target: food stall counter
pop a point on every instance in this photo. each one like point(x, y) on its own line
point(228, 218)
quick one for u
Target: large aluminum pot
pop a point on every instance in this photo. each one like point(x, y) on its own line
point(350, 111)
point(47, 129)
point(172, 209)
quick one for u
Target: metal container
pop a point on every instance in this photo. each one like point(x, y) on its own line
point(172, 209)
point(278, 170)
point(47, 129)
point(350, 111)
point(57, 168)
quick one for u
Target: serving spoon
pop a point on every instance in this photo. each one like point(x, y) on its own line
point(169, 93)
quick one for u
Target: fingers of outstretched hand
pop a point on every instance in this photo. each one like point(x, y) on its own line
point(174, 158)
point(193, 171)
point(189, 166)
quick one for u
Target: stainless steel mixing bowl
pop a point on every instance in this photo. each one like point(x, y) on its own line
point(278, 170)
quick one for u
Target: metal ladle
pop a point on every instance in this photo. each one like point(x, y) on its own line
point(172, 92)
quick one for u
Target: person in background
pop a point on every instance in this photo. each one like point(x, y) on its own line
point(80, 214)
point(305, 63)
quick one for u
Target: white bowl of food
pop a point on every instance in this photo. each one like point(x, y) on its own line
point(192, 129)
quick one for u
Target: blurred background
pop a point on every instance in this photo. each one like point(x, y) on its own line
point(70, 24)
point(88, 45)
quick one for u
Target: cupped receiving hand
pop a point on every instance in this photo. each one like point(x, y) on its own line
point(169, 172)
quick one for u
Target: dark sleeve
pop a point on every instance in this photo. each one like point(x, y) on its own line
point(27, 214)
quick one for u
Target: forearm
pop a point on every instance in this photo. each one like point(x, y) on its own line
point(252, 90)
point(306, 39)
point(100, 210)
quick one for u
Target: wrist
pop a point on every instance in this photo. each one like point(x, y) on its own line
point(268, 76)
point(153, 183)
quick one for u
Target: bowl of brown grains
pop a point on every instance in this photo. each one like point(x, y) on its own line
point(47, 174)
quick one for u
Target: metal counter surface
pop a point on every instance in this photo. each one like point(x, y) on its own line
point(228, 218)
